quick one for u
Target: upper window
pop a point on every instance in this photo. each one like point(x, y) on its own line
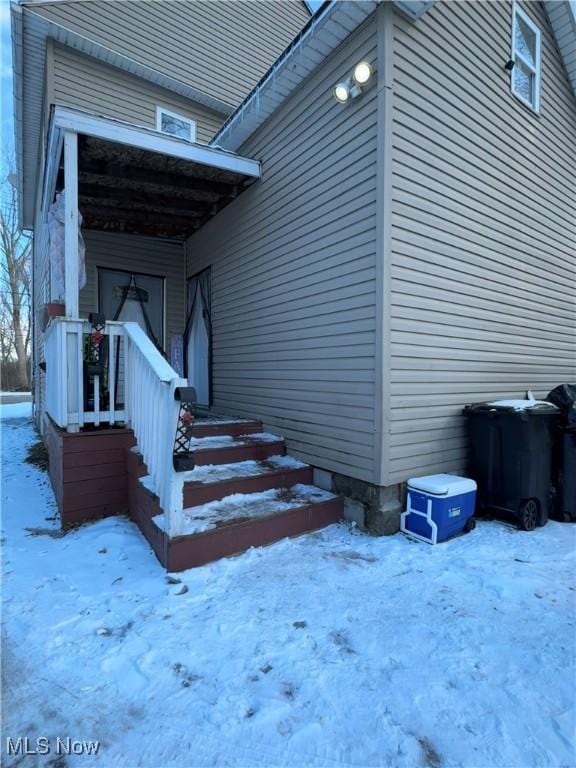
point(526, 58)
point(175, 125)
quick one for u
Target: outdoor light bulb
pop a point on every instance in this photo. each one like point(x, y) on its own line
point(342, 93)
point(362, 73)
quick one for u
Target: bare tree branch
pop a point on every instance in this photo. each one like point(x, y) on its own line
point(15, 271)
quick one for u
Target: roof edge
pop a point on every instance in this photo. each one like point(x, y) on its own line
point(264, 96)
point(102, 53)
point(122, 132)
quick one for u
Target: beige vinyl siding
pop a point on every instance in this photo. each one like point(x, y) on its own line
point(483, 272)
point(221, 48)
point(32, 126)
point(146, 255)
point(85, 83)
point(293, 275)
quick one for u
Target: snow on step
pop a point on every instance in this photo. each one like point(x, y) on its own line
point(204, 421)
point(243, 506)
point(228, 441)
point(214, 473)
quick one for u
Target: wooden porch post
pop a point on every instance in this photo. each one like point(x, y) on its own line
point(73, 342)
point(71, 223)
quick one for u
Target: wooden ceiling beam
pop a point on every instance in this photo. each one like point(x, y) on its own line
point(150, 176)
point(127, 198)
point(113, 212)
point(148, 229)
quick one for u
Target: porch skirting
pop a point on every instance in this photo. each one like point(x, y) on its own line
point(88, 472)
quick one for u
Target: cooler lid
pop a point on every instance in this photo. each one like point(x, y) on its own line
point(442, 485)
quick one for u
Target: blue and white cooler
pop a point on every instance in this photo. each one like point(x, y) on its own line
point(438, 507)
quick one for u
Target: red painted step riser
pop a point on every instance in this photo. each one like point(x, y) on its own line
point(192, 551)
point(196, 494)
point(217, 430)
point(238, 453)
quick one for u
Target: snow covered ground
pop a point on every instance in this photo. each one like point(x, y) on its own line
point(15, 410)
point(334, 649)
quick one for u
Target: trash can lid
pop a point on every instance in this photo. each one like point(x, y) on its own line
point(442, 485)
point(522, 405)
point(536, 406)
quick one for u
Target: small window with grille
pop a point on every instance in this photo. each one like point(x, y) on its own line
point(526, 57)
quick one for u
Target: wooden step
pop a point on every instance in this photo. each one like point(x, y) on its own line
point(213, 428)
point(227, 449)
point(256, 522)
point(196, 493)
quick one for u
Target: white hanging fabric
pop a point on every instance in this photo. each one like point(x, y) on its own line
point(56, 249)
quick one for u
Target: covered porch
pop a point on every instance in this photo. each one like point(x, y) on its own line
point(110, 370)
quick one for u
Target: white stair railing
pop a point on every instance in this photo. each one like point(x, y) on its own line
point(152, 412)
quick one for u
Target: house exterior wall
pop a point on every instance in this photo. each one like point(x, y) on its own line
point(294, 275)
point(145, 255)
point(85, 83)
point(482, 284)
point(222, 48)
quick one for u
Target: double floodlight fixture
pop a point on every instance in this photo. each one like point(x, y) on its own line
point(352, 87)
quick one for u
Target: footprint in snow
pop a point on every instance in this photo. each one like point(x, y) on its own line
point(352, 556)
point(431, 757)
point(186, 677)
point(288, 691)
point(341, 641)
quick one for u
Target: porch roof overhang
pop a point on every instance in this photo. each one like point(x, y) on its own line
point(136, 180)
point(30, 34)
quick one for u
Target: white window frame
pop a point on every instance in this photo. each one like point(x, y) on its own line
point(163, 111)
point(516, 56)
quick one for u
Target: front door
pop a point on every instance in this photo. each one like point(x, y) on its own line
point(198, 336)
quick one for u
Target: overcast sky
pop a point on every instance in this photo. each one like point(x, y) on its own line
point(6, 107)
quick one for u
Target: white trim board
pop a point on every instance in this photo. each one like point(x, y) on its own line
point(520, 60)
point(65, 119)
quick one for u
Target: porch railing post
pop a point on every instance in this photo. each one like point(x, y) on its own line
point(71, 223)
point(172, 503)
point(74, 378)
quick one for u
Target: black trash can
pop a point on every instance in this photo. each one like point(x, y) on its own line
point(564, 453)
point(510, 457)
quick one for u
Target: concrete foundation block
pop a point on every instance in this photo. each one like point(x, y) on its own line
point(374, 508)
point(355, 512)
point(323, 479)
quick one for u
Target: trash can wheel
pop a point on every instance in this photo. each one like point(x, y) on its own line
point(469, 525)
point(528, 515)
